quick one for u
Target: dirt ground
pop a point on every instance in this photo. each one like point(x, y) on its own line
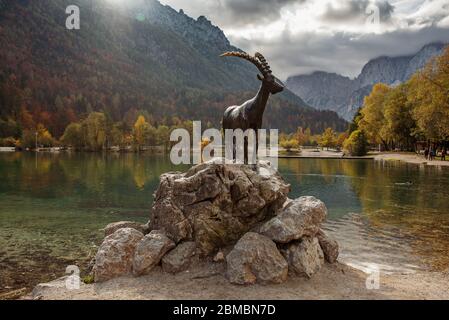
point(332, 282)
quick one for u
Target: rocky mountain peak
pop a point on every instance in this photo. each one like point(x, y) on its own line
point(331, 91)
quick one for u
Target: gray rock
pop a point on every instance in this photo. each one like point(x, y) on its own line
point(329, 246)
point(301, 217)
point(180, 258)
point(304, 257)
point(113, 227)
point(115, 255)
point(150, 251)
point(215, 204)
point(255, 258)
point(60, 284)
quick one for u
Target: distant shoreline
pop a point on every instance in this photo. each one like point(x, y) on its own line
point(316, 153)
point(406, 157)
point(409, 157)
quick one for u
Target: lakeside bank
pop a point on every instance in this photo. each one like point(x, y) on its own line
point(409, 157)
point(332, 282)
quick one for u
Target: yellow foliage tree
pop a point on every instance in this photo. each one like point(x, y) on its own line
point(429, 92)
point(141, 131)
point(328, 139)
point(372, 120)
point(44, 137)
point(94, 128)
point(289, 144)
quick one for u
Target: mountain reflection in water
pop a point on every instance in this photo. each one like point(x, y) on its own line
point(54, 205)
point(380, 221)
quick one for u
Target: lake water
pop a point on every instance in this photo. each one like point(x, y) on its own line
point(52, 207)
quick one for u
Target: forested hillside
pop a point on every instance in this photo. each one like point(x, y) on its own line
point(142, 58)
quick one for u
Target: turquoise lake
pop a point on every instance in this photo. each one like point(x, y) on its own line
point(386, 215)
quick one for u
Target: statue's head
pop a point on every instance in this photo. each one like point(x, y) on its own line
point(266, 75)
point(272, 83)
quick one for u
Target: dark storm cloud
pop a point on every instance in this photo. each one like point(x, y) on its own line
point(334, 43)
point(342, 52)
point(252, 11)
point(234, 13)
point(350, 10)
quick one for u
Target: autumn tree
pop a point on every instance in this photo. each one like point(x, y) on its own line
point(95, 131)
point(39, 136)
point(328, 139)
point(152, 139)
point(429, 92)
point(341, 138)
point(301, 136)
point(372, 119)
point(163, 136)
point(309, 139)
point(398, 118)
point(356, 144)
point(354, 124)
point(117, 135)
point(9, 142)
point(10, 128)
point(73, 136)
point(28, 139)
point(44, 138)
point(289, 144)
point(141, 132)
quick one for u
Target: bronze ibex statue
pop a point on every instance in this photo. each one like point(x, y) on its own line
point(249, 115)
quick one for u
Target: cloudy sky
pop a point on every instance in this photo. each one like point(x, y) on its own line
point(302, 36)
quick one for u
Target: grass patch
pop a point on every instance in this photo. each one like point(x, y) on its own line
point(89, 279)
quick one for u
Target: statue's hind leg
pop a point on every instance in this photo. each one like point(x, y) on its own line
point(234, 150)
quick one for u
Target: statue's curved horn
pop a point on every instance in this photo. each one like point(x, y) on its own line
point(249, 58)
point(264, 62)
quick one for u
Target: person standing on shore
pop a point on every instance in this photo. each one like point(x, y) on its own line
point(426, 153)
point(443, 154)
point(432, 154)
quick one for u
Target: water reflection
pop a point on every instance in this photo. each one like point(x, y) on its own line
point(54, 205)
point(392, 214)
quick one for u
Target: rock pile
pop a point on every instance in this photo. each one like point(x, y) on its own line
point(215, 208)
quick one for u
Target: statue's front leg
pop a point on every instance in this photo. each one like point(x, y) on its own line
point(245, 150)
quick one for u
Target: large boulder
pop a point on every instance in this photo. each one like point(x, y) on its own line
point(304, 257)
point(214, 204)
point(180, 258)
point(255, 258)
point(115, 255)
point(299, 218)
point(150, 251)
point(212, 208)
point(113, 227)
point(329, 246)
